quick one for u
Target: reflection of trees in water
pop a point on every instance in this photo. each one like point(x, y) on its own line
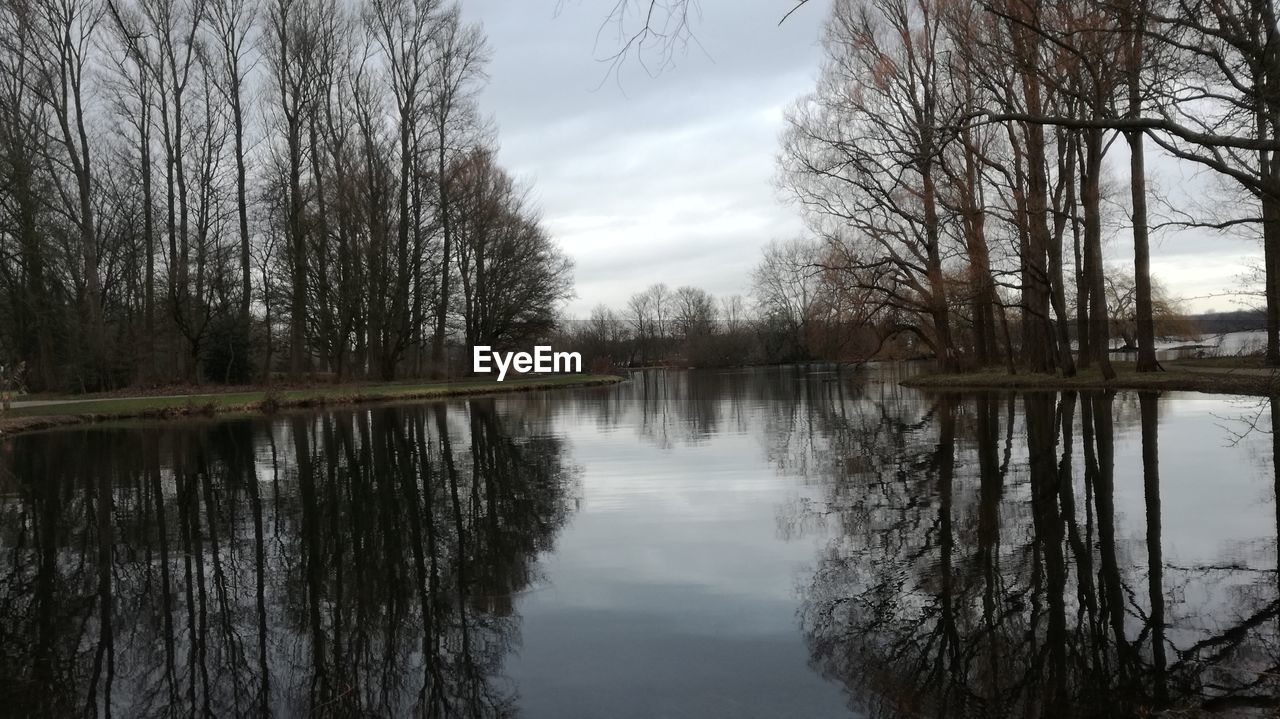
point(671, 408)
point(687, 407)
point(350, 563)
point(974, 568)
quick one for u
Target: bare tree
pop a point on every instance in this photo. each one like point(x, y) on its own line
point(459, 55)
point(63, 34)
point(290, 53)
point(861, 154)
point(29, 278)
point(513, 278)
point(787, 285)
point(694, 313)
point(232, 23)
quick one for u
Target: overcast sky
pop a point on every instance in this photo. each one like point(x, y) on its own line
point(670, 177)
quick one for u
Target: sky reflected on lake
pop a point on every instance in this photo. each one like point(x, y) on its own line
point(758, 543)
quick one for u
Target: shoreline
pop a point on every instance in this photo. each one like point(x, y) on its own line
point(1175, 378)
point(265, 402)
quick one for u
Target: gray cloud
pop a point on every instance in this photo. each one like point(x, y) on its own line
point(670, 177)
point(646, 179)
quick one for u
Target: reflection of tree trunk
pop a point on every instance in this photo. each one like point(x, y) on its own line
point(1275, 471)
point(432, 699)
point(485, 470)
point(356, 492)
point(313, 562)
point(950, 647)
point(460, 553)
point(336, 549)
point(991, 480)
point(1104, 497)
point(260, 587)
point(334, 584)
point(46, 594)
point(197, 551)
point(1080, 548)
point(152, 469)
point(189, 542)
point(105, 657)
point(1047, 523)
point(1155, 561)
point(224, 615)
point(418, 514)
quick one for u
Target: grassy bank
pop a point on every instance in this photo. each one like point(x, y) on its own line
point(1211, 378)
point(22, 419)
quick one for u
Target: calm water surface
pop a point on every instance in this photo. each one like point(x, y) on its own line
point(763, 543)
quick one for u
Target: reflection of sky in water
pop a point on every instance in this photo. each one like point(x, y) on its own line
point(1217, 508)
point(674, 588)
point(670, 593)
point(1215, 499)
point(763, 543)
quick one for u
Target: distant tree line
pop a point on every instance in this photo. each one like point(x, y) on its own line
point(801, 309)
point(216, 190)
point(950, 162)
point(793, 315)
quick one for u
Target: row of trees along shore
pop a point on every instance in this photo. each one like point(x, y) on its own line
point(951, 161)
point(797, 314)
point(952, 155)
point(215, 190)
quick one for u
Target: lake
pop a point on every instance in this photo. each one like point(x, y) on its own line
point(786, 542)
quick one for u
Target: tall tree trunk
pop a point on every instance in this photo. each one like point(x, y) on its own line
point(34, 317)
point(297, 254)
point(92, 301)
point(1057, 279)
point(948, 361)
point(322, 307)
point(1269, 170)
point(419, 292)
point(1036, 341)
point(400, 303)
point(242, 202)
point(983, 287)
point(1271, 260)
point(148, 226)
point(446, 229)
point(183, 307)
point(171, 216)
point(1138, 190)
point(1141, 256)
point(1092, 200)
point(1084, 354)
